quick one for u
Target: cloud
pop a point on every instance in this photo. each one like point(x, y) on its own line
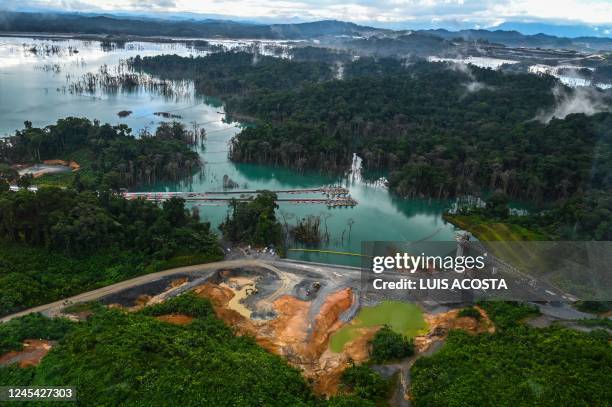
point(472, 85)
point(483, 13)
point(585, 100)
point(164, 4)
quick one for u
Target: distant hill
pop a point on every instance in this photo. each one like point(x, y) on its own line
point(81, 24)
point(559, 30)
point(510, 38)
point(210, 28)
point(413, 44)
point(104, 24)
point(516, 39)
point(321, 28)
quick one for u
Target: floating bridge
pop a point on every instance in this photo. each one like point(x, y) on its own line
point(334, 196)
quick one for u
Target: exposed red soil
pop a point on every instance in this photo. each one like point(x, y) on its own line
point(176, 319)
point(178, 282)
point(441, 324)
point(74, 166)
point(288, 334)
point(305, 345)
point(31, 354)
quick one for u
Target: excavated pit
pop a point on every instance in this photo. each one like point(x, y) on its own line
point(288, 323)
point(294, 314)
point(293, 335)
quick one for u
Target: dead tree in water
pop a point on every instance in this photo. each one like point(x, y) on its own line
point(350, 222)
point(286, 217)
point(325, 216)
point(307, 230)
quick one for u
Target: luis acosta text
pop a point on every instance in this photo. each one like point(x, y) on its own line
point(408, 263)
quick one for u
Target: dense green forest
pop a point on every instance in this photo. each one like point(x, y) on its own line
point(254, 221)
point(236, 75)
point(109, 156)
point(14, 332)
point(435, 136)
point(425, 123)
point(516, 366)
point(119, 358)
point(59, 242)
point(439, 130)
point(388, 345)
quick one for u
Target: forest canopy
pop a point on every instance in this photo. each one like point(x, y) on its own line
point(100, 238)
point(438, 130)
point(516, 366)
point(109, 156)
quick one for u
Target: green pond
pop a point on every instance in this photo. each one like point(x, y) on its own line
point(402, 317)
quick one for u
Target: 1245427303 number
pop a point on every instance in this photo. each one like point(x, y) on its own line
point(8, 393)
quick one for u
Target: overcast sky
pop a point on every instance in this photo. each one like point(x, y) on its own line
point(485, 13)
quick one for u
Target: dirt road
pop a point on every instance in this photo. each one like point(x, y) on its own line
point(54, 308)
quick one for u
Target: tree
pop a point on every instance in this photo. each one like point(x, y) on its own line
point(497, 205)
point(8, 174)
point(307, 230)
point(326, 216)
point(364, 382)
point(388, 345)
point(253, 221)
point(350, 222)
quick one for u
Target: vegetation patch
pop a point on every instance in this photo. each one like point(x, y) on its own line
point(516, 366)
point(597, 307)
point(110, 156)
point(365, 383)
point(487, 230)
point(57, 243)
point(117, 357)
point(253, 222)
point(388, 345)
point(470, 312)
point(33, 326)
point(597, 322)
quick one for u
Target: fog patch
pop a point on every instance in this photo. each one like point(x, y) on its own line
point(339, 71)
point(587, 100)
point(153, 3)
point(472, 85)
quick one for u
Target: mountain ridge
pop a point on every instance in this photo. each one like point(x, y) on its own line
point(109, 24)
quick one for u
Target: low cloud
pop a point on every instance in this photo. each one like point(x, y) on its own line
point(472, 85)
point(585, 100)
point(398, 13)
point(153, 3)
point(475, 86)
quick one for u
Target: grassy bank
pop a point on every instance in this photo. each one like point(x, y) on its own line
point(488, 230)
